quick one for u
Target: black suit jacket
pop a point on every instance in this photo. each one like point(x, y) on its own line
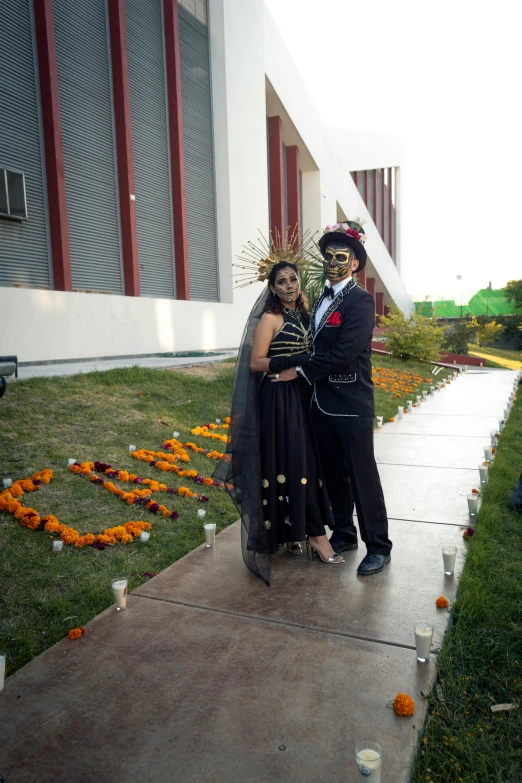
point(340, 369)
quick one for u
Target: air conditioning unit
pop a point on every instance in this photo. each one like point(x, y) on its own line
point(13, 201)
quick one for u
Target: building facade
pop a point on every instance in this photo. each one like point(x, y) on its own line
point(142, 144)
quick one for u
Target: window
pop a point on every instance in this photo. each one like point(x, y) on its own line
point(13, 203)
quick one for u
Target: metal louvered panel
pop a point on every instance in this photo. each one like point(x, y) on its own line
point(24, 246)
point(199, 156)
point(84, 80)
point(371, 192)
point(150, 147)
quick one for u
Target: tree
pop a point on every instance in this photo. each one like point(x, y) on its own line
point(485, 332)
point(513, 293)
point(415, 337)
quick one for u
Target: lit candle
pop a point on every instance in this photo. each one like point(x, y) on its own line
point(144, 536)
point(119, 589)
point(473, 504)
point(210, 534)
point(379, 421)
point(449, 555)
point(57, 546)
point(201, 513)
point(7, 482)
point(483, 473)
point(423, 638)
point(132, 448)
point(368, 756)
point(2, 671)
point(400, 411)
point(70, 462)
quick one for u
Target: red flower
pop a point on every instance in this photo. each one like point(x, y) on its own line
point(334, 319)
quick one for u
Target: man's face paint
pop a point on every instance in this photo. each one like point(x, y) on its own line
point(339, 263)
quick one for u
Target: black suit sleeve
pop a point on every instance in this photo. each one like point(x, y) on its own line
point(280, 363)
point(357, 326)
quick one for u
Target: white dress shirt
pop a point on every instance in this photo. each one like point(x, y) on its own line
point(325, 304)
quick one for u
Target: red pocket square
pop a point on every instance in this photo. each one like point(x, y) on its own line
point(334, 319)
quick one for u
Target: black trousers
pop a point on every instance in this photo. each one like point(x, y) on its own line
point(350, 471)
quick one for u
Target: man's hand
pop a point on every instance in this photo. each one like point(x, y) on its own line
point(284, 375)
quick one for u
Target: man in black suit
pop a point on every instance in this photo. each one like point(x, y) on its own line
point(340, 374)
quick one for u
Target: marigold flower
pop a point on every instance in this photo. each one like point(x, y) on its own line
point(468, 533)
point(403, 705)
point(391, 418)
point(475, 492)
point(75, 633)
point(441, 602)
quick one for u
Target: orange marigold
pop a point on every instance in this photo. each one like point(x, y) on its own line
point(16, 490)
point(441, 602)
point(391, 418)
point(403, 704)
point(75, 633)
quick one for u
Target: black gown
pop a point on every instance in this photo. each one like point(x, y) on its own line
point(294, 498)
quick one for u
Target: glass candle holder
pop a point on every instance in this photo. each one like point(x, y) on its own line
point(368, 756)
point(473, 504)
point(487, 453)
point(493, 437)
point(432, 390)
point(483, 473)
point(418, 397)
point(119, 590)
point(210, 534)
point(132, 448)
point(423, 639)
point(175, 434)
point(449, 556)
point(501, 425)
point(439, 385)
point(58, 546)
point(425, 394)
point(144, 536)
point(379, 421)
point(70, 462)
point(7, 482)
point(400, 411)
point(409, 403)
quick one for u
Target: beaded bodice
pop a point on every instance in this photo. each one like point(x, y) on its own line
point(293, 337)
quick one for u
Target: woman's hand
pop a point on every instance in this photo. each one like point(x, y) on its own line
point(285, 375)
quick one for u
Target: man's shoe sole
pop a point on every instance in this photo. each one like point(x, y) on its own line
point(376, 570)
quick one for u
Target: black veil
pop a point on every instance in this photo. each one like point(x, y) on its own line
point(240, 467)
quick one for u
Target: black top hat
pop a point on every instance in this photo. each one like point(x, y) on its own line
point(348, 233)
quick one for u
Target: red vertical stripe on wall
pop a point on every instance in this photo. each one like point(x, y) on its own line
point(177, 158)
point(52, 131)
point(374, 215)
point(383, 203)
point(275, 155)
point(122, 122)
point(370, 285)
point(293, 194)
point(379, 304)
point(366, 191)
point(361, 277)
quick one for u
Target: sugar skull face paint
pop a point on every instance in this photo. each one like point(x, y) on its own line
point(287, 285)
point(339, 262)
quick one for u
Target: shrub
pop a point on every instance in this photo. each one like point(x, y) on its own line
point(456, 338)
point(415, 337)
point(485, 332)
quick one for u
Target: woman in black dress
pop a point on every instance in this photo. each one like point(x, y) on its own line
point(271, 467)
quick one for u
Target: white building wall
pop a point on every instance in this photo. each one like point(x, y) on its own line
point(42, 325)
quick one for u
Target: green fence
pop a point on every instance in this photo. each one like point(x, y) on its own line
point(487, 301)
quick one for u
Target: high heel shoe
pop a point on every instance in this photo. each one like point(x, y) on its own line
point(294, 547)
point(334, 559)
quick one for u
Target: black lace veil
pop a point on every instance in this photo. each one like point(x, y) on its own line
point(240, 467)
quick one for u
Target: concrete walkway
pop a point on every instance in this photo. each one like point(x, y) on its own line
point(50, 369)
point(211, 677)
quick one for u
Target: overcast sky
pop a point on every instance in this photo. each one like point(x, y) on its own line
point(446, 78)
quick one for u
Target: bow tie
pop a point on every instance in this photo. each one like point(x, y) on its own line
point(328, 291)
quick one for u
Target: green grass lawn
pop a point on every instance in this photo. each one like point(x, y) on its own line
point(480, 662)
point(497, 357)
point(45, 421)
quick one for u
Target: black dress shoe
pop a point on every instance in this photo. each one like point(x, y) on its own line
point(372, 564)
point(338, 545)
